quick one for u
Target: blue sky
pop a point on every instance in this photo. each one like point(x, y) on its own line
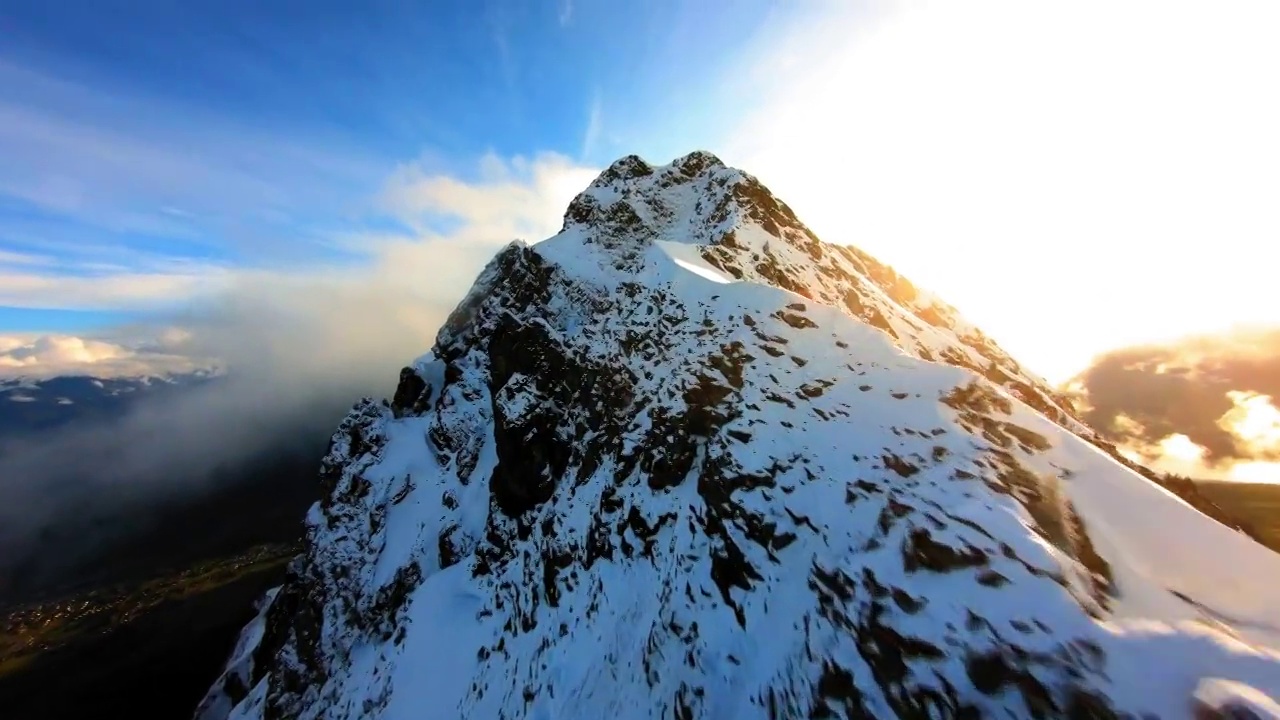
point(149, 142)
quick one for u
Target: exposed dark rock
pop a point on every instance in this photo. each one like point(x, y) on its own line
point(410, 388)
point(922, 551)
point(795, 320)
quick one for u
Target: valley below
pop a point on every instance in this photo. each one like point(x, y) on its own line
point(133, 612)
point(147, 649)
point(1257, 504)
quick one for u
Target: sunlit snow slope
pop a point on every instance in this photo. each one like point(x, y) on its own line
point(683, 460)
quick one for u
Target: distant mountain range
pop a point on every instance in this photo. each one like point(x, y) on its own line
point(30, 406)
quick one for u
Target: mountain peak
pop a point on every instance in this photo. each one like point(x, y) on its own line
point(630, 167)
point(686, 460)
point(744, 232)
point(696, 161)
point(697, 192)
point(624, 168)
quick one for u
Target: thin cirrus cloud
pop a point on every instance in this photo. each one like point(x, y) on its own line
point(595, 126)
point(18, 259)
point(146, 218)
point(267, 153)
point(113, 290)
point(428, 218)
point(87, 164)
point(131, 162)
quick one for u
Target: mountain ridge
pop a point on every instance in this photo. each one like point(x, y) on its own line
point(42, 404)
point(685, 419)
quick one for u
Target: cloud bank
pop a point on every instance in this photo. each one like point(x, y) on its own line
point(1204, 407)
point(46, 356)
point(298, 348)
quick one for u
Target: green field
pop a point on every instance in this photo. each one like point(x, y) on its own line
point(1257, 504)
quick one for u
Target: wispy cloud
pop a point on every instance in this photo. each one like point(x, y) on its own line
point(221, 196)
point(105, 278)
point(138, 166)
point(131, 203)
point(565, 14)
point(112, 290)
point(500, 21)
point(591, 136)
point(298, 346)
point(24, 259)
point(458, 223)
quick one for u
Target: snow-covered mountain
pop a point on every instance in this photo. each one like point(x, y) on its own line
point(685, 460)
point(34, 405)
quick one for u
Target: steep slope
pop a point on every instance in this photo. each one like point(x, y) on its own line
point(684, 460)
point(738, 227)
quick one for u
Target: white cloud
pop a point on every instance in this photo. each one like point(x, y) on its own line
point(459, 222)
point(317, 320)
point(45, 356)
point(591, 136)
point(121, 289)
point(1074, 176)
point(517, 198)
point(101, 161)
point(24, 259)
point(511, 198)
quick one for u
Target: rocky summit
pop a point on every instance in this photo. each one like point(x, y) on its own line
point(686, 460)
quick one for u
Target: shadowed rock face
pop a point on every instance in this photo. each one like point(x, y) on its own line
point(635, 492)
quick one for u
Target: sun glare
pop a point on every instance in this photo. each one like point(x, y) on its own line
point(1254, 420)
point(1075, 177)
point(1181, 448)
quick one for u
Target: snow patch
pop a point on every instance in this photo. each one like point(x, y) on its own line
point(1231, 699)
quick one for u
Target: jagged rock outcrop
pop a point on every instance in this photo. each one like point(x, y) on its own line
point(686, 460)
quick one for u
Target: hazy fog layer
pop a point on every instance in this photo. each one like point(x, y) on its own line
point(299, 352)
point(299, 346)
